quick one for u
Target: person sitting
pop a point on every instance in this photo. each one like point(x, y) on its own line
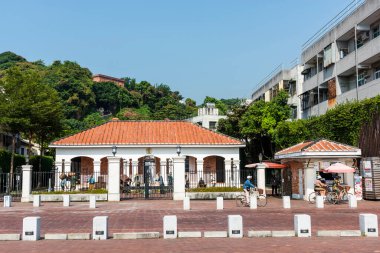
point(337, 187)
point(201, 183)
point(320, 186)
point(247, 187)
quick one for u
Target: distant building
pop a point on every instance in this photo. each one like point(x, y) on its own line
point(208, 117)
point(21, 145)
point(103, 78)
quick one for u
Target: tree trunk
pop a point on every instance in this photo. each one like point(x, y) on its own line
point(12, 163)
point(30, 146)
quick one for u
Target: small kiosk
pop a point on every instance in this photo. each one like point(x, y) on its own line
point(308, 159)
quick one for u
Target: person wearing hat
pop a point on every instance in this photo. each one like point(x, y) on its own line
point(247, 187)
point(320, 186)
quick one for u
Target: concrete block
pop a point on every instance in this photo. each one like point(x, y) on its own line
point(283, 233)
point(186, 203)
point(219, 203)
point(286, 202)
point(344, 233)
point(259, 233)
point(215, 234)
point(253, 202)
point(36, 200)
point(319, 202)
point(66, 200)
point(170, 227)
point(55, 236)
point(100, 228)
point(7, 201)
point(31, 228)
point(190, 234)
point(368, 224)
point(328, 233)
point(137, 235)
point(235, 226)
point(352, 201)
point(302, 225)
point(10, 237)
point(79, 236)
point(92, 201)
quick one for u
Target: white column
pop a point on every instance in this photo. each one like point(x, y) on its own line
point(302, 225)
point(261, 177)
point(235, 226)
point(200, 169)
point(26, 182)
point(310, 177)
point(349, 180)
point(368, 224)
point(227, 171)
point(237, 173)
point(163, 171)
point(57, 171)
point(126, 168)
point(219, 203)
point(179, 178)
point(286, 202)
point(135, 170)
point(100, 228)
point(113, 178)
point(96, 170)
point(31, 228)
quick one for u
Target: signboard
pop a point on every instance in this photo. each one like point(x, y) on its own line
point(358, 187)
point(371, 230)
point(368, 184)
point(304, 231)
point(236, 232)
point(99, 232)
point(170, 232)
point(367, 169)
point(29, 233)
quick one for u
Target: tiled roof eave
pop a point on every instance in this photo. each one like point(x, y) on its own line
point(321, 154)
point(149, 144)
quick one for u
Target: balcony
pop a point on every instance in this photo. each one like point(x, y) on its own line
point(345, 63)
point(312, 82)
point(368, 50)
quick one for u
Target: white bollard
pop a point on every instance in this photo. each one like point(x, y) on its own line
point(100, 228)
point(186, 203)
point(219, 203)
point(66, 200)
point(31, 228)
point(7, 201)
point(36, 200)
point(368, 224)
point(352, 201)
point(253, 202)
point(286, 202)
point(92, 201)
point(302, 225)
point(319, 203)
point(170, 227)
point(235, 226)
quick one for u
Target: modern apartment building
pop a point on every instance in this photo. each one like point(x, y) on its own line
point(288, 79)
point(208, 117)
point(343, 64)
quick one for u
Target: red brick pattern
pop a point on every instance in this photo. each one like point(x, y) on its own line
point(147, 132)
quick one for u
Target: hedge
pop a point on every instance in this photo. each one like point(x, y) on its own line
point(46, 163)
point(5, 161)
point(216, 189)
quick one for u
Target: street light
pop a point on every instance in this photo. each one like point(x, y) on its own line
point(114, 150)
point(260, 157)
point(178, 150)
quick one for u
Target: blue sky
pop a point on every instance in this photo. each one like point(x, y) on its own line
point(219, 48)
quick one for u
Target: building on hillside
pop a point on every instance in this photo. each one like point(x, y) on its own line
point(343, 63)
point(103, 78)
point(21, 145)
point(289, 79)
point(208, 117)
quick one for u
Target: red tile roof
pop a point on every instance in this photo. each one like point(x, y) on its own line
point(147, 132)
point(322, 145)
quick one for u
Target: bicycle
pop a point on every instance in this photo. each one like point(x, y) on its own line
point(341, 196)
point(259, 193)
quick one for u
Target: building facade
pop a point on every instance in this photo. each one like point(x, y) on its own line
point(103, 78)
point(208, 117)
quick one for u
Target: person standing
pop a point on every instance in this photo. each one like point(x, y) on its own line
point(91, 183)
point(274, 183)
point(247, 187)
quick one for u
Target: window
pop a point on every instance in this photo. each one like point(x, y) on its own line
point(377, 73)
point(187, 163)
point(212, 125)
point(22, 151)
point(375, 32)
point(361, 78)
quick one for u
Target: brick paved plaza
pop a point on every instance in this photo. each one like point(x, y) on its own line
point(134, 216)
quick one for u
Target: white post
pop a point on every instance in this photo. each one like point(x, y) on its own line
point(7, 201)
point(100, 228)
point(349, 180)
point(253, 202)
point(286, 202)
point(36, 200)
point(352, 201)
point(235, 226)
point(58, 171)
point(310, 177)
point(186, 203)
point(200, 169)
point(135, 170)
point(66, 200)
point(179, 178)
point(170, 227)
point(319, 202)
point(219, 203)
point(26, 182)
point(31, 229)
point(113, 178)
point(368, 224)
point(96, 170)
point(237, 173)
point(261, 177)
point(227, 172)
point(302, 225)
point(164, 175)
point(92, 201)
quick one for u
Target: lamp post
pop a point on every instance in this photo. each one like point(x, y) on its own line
point(260, 157)
point(114, 150)
point(178, 150)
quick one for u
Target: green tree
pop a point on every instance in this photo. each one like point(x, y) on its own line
point(93, 119)
point(110, 97)
point(9, 59)
point(218, 104)
point(142, 113)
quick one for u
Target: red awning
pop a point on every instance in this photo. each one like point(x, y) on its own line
point(268, 165)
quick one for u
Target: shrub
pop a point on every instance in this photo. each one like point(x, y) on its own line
point(46, 163)
point(5, 161)
point(216, 189)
